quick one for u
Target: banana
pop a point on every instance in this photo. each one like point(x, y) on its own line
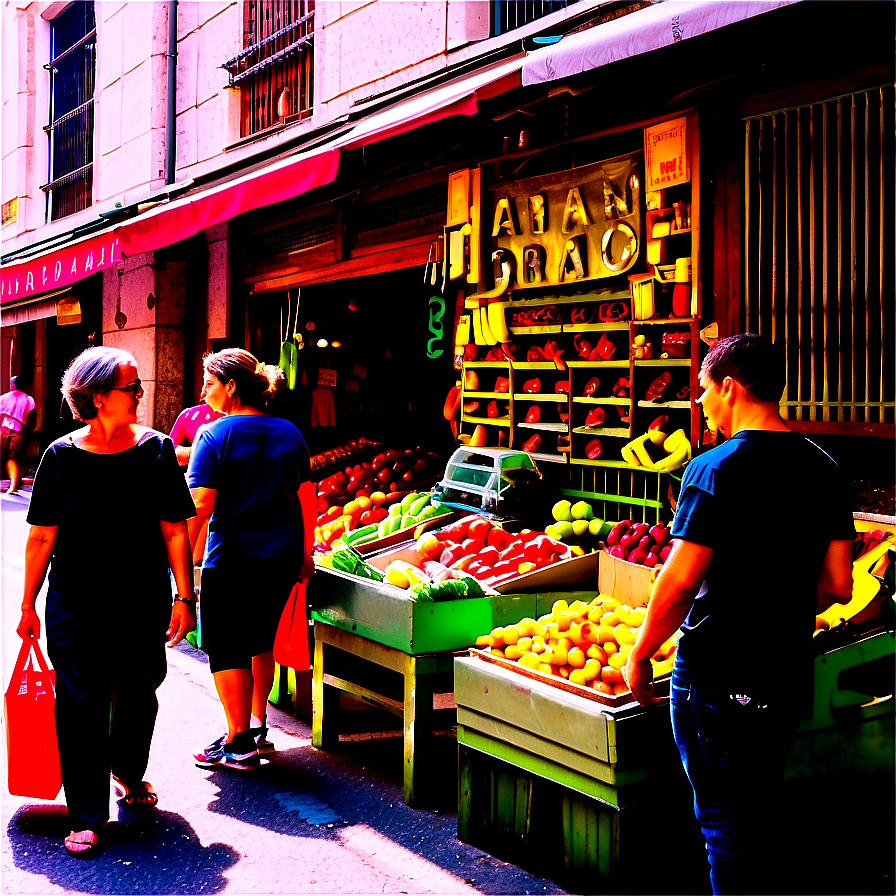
point(478, 336)
point(678, 457)
point(635, 452)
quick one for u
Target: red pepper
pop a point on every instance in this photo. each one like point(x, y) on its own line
point(583, 314)
point(583, 345)
point(535, 354)
point(502, 384)
point(591, 387)
point(593, 449)
point(658, 386)
point(552, 350)
point(533, 443)
point(595, 417)
point(604, 349)
point(533, 385)
point(612, 311)
point(615, 534)
point(660, 422)
point(562, 386)
point(533, 415)
point(492, 409)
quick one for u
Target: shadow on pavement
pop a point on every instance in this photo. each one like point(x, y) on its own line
point(141, 854)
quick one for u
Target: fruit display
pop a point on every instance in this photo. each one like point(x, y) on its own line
point(583, 643)
point(341, 452)
point(575, 523)
point(639, 543)
point(475, 546)
point(373, 491)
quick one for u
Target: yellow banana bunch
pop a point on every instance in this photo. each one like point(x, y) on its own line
point(635, 452)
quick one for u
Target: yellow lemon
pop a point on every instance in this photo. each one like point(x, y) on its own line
point(610, 618)
point(565, 643)
point(559, 606)
point(604, 634)
point(527, 627)
point(483, 641)
point(577, 676)
point(595, 613)
point(577, 606)
point(538, 645)
point(530, 660)
point(565, 620)
point(609, 603)
point(558, 656)
point(591, 669)
point(626, 649)
point(617, 660)
point(622, 612)
point(525, 644)
point(610, 647)
point(496, 651)
point(497, 634)
point(546, 668)
point(576, 658)
point(596, 652)
point(635, 617)
point(623, 634)
point(513, 652)
point(511, 634)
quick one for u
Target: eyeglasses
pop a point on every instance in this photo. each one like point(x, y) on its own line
point(134, 387)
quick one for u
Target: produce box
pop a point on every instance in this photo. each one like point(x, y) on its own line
point(576, 570)
point(389, 616)
point(629, 583)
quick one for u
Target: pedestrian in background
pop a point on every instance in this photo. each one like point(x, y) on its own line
point(734, 715)
point(107, 515)
point(15, 408)
point(249, 476)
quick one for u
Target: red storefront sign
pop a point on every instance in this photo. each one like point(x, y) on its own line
point(61, 267)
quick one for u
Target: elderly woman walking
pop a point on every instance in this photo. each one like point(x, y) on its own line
point(249, 475)
point(107, 516)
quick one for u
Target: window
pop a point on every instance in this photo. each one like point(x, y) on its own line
point(274, 71)
point(818, 255)
point(72, 77)
point(510, 14)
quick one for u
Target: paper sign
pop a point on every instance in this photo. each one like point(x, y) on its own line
point(360, 371)
point(326, 377)
point(351, 385)
point(666, 153)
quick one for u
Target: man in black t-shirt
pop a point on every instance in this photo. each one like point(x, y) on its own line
point(745, 602)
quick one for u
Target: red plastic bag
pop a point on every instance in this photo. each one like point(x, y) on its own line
point(291, 640)
point(32, 753)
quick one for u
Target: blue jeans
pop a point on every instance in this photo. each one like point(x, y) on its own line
point(734, 751)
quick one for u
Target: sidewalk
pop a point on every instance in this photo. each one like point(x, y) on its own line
point(308, 821)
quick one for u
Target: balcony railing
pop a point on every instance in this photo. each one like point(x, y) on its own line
point(510, 14)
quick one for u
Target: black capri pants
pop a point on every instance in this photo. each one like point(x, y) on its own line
point(240, 608)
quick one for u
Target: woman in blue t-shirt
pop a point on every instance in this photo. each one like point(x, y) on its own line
point(249, 476)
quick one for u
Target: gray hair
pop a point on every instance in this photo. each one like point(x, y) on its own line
point(92, 372)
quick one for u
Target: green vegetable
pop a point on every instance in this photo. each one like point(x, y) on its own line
point(416, 506)
point(450, 589)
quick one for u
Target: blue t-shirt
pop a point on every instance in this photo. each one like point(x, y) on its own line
point(256, 463)
point(768, 503)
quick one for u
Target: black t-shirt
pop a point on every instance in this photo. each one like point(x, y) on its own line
point(107, 508)
point(768, 503)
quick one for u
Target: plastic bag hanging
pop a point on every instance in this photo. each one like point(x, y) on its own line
point(289, 355)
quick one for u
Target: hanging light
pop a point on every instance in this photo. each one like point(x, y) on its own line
point(352, 304)
point(322, 343)
point(336, 343)
point(309, 325)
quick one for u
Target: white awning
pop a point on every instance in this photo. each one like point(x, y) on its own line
point(666, 23)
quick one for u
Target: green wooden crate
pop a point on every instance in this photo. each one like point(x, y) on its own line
point(383, 614)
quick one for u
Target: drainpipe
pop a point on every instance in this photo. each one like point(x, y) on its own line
point(171, 118)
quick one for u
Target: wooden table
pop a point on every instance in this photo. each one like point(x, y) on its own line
point(336, 671)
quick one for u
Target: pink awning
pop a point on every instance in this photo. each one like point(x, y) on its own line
point(638, 32)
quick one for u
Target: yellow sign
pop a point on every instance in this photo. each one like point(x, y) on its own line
point(666, 154)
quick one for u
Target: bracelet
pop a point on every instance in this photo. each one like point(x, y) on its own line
point(184, 600)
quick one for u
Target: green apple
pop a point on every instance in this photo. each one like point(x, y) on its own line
point(594, 526)
point(600, 528)
point(580, 527)
point(581, 510)
point(561, 511)
point(563, 530)
point(551, 532)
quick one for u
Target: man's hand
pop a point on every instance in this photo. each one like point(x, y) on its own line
point(638, 675)
point(183, 621)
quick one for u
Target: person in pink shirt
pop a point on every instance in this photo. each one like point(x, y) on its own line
point(187, 424)
point(15, 406)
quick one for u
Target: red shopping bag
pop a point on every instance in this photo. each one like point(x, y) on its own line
point(32, 754)
point(291, 641)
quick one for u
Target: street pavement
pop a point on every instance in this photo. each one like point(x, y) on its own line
point(308, 821)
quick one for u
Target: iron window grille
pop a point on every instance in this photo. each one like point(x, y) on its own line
point(818, 271)
point(510, 14)
point(70, 132)
point(274, 73)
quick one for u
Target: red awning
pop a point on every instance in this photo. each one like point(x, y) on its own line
point(281, 180)
point(59, 267)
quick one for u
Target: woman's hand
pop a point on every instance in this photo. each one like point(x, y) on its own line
point(183, 621)
point(29, 624)
point(307, 570)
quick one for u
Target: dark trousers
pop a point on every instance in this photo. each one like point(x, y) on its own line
point(734, 749)
point(106, 709)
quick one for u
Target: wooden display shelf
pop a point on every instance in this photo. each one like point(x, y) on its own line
point(616, 326)
point(664, 404)
point(620, 364)
point(470, 395)
point(546, 427)
point(664, 362)
point(615, 464)
point(492, 421)
point(609, 399)
point(535, 330)
point(558, 397)
point(597, 431)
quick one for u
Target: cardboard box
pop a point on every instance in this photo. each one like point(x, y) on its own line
point(629, 583)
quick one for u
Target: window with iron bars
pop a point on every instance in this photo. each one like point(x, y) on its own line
point(274, 73)
point(72, 80)
point(820, 224)
point(510, 14)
